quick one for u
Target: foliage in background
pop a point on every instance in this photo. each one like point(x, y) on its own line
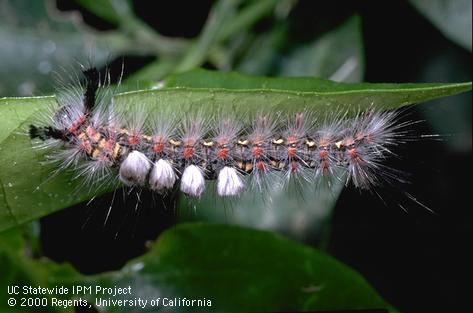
point(191, 261)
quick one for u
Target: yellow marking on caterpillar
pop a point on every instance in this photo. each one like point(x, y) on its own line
point(174, 142)
point(102, 143)
point(248, 167)
point(244, 166)
point(310, 143)
point(89, 149)
point(96, 152)
point(116, 150)
point(96, 137)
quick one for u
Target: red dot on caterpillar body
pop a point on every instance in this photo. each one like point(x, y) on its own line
point(90, 131)
point(222, 153)
point(75, 125)
point(133, 139)
point(188, 152)
point(352, 153)
point(323, 154)
point(257, 151)
point(158, 147)
point(260, 165)
point(109, 144)
point(291, 151)
point(72, 129)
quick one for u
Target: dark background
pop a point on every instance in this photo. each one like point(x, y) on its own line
point(418, 260)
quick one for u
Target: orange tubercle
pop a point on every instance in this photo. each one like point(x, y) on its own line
point(260, 165)
point(352, 153)
point(257, 151)
point(222, 153)
point(323, 154)
point(291, 152)
point(133, 139)
point(158, 147)
point(188, 152)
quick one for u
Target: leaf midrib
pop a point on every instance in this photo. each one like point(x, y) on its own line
point(461, 87)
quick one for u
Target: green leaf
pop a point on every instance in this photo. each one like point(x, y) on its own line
point(237, 269)
point(28, 191)
point(221, 12)
point(320, 91)
point(241, 270)
point(18, 268)
point(337, 55)
point(246, 17)
point(37, 40)
point(113, 11)
point(225, 19)
point(452, 18)
point(263, 53)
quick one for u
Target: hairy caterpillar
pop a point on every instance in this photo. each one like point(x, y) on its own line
point(102, 144)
